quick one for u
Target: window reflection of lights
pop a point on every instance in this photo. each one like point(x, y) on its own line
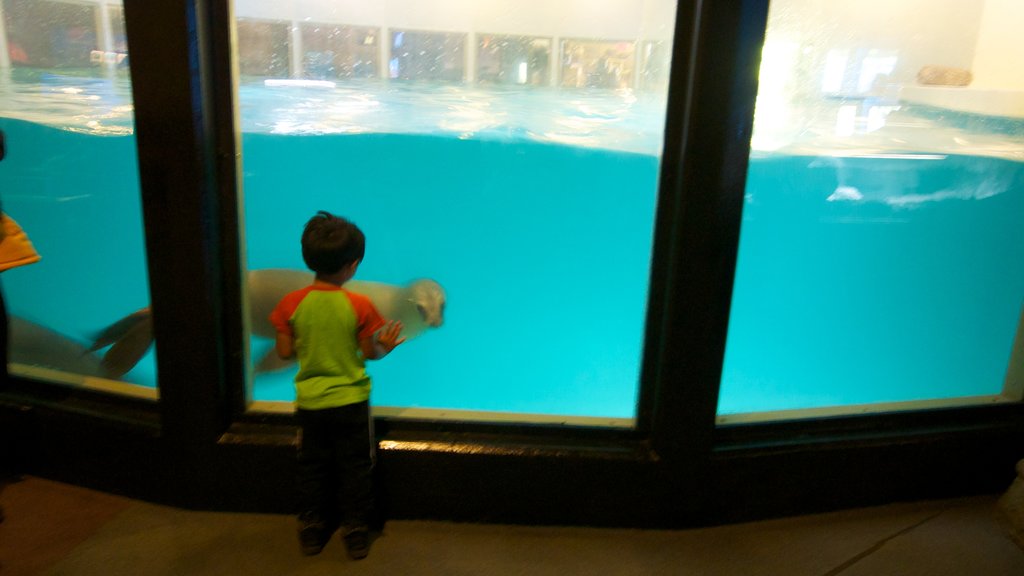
point(850, 120)
point(772, 109)
point(876, 118)
point(872, 68)
point(835, 70)
point(846, 121)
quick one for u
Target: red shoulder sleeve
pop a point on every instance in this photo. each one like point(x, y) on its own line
point(282, 314)
point(368, 319)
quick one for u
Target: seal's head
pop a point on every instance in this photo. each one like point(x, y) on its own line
point(428, 296)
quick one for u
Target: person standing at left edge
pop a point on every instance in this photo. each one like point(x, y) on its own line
point(3, 337)
point(15, 250)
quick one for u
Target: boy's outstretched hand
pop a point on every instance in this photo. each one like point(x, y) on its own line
point(388, 338)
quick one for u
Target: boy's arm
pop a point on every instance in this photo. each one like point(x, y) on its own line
point(381, 342)
point(285, 346)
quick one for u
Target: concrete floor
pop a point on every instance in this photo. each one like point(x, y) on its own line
point(54, 528)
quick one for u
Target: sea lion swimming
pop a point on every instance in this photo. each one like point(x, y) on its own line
point(419, 305)
point(36, 345)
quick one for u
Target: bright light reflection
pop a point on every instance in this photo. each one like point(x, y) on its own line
point(772, 115)
point(846, 121)
point(835, 70)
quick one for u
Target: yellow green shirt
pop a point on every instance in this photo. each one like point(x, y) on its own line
point(326, 324)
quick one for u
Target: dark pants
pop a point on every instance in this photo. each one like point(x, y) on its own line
point(4, 464)
point(4, 336)
point(336, 458)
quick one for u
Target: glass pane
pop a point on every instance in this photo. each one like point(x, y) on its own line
point(70, 179)
point(467, 155)
point(883, 230)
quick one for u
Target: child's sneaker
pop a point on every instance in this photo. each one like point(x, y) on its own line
point(312, 533)
point(357, 542)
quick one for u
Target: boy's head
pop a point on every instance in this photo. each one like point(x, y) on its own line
point(330, 243)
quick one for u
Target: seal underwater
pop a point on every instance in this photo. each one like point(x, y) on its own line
point(35, 345)
point(419, 305)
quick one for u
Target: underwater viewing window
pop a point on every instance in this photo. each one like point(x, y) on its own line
point(526, 203)
point(70, 179)
point(879, 263)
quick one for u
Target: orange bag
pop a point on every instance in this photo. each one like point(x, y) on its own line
point(15, 247)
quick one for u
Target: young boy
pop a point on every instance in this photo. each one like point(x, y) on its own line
point(332, 332)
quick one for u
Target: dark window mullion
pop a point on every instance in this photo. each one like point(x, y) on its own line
point(703, 181)
point(182, 211)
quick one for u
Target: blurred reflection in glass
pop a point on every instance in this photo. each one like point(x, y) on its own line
point(882, 229)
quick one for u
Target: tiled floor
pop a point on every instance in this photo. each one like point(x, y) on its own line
point(54, 528)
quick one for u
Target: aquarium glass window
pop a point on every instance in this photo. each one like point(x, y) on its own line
point(883, 224)
point(70, 180)
point(509, 215)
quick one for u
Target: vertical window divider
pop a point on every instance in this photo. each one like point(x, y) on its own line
point(186, 219)
point(713, 87)
point(224, 82)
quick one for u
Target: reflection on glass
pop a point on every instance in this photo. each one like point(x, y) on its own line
point(467, 160)
point(655, 58)
point(332, 52)
point(263, 48)
point(882, 230)
point(70, 180)
point(597, 64)
point(513, 60)
point(431, 56)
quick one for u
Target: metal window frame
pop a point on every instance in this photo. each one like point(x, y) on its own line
point(199, 448)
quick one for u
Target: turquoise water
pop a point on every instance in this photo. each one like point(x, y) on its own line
point(553, 243)
point(77, 196)
point(862, 277)
point(912, 291)
point(543, 251)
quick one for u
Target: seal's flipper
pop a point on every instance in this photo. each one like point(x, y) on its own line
point(271, 362)
point(129, 348)
point(121, 328)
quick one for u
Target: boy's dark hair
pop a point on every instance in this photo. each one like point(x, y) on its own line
point(329, 243)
